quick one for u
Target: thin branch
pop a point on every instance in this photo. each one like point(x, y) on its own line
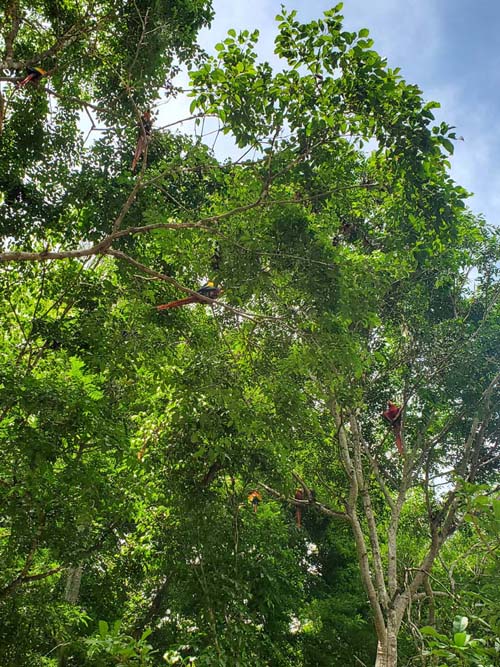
point(185, 120)
point(427, 594)
point(74, 32)
point(379, 474)
point(41, 575)
point(23, 256)
point(82, 103)
point(307, 489)
point(304, 503)
point(162, 276)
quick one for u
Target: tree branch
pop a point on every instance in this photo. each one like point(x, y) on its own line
point(12, 11)
point(351, 502)
point(304, 503)
point(162, 276)
point(368, 511)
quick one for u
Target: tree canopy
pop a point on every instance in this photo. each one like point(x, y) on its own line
point(214, 484)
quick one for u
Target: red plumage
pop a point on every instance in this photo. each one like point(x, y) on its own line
point(393, 416)
point(138, 152)
point(26, 80)
point(144, 132)
point(399, 441)
point(34, 75)
point(209, 290)
point(179, 302)
point(393, 412)
point(299, 495)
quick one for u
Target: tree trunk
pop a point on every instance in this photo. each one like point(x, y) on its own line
point(71, 595)
point(387, 652)
point(73, 584)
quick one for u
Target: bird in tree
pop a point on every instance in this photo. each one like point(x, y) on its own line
point(255, 499)
point(145, 127)
point(299, 495)
point(393, 416)
point(34, 74)
point(208, 290)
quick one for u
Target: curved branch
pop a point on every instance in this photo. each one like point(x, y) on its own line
point(71, 98)
point(168, 279)
point(23, 256)
point(305, 503)
point(96, 249)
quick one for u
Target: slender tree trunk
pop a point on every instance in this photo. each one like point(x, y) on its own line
point(72, 591)
point(387, 652)
point(71, 595)
point(154, 609)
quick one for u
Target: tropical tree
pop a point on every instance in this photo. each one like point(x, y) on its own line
point(352, 273)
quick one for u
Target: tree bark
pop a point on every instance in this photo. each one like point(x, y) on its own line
point(71, 595)
point(387, 652)
point(73, 581)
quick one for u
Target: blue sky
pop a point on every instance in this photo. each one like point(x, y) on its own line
point(449, 48)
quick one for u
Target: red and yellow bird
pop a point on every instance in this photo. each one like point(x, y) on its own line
point(255, 499)
point(209, 290)
point(393, 416)
point(33, 76)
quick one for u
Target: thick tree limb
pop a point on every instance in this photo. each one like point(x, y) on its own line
point(351, 511)
point(12, 11)
point(368, 511)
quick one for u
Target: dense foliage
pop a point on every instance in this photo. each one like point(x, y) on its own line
point(131, 438)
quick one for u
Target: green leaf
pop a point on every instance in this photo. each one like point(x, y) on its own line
point(103, 629)
point(432, 632)
point(448, 145)
point(496, 508)
point(461, 638)
point(460, 623)
point(146, 633)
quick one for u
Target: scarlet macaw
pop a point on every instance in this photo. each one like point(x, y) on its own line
point(299, 495)
point(255, 498)
point(393, 416)
point(34, 75)
point(209, 290)
point(147, 126)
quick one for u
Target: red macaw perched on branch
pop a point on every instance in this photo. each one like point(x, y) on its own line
point(255, 499)
point(34, 75)
point(144, 134)
point(209, 290)
point(299, 495)
point(393, 416)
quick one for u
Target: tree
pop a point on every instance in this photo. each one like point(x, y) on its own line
point(346, 285)
point(416, 337)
